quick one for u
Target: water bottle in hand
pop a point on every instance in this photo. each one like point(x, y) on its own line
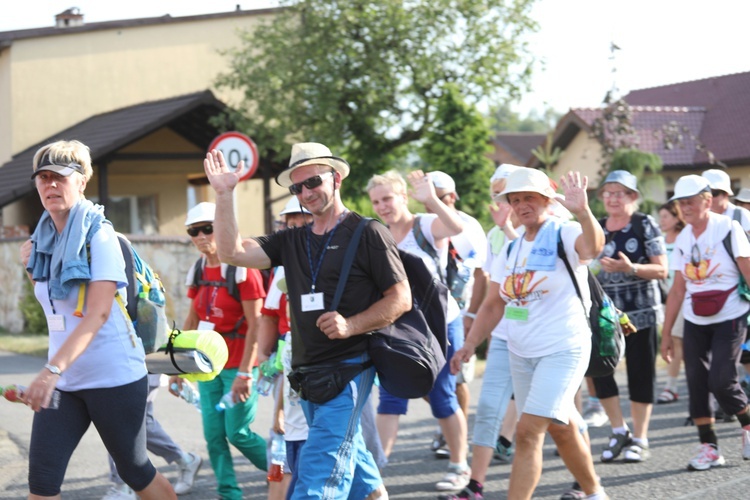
point(14, 393)
point(225, 402)
point(278, 456)
point(189, 393)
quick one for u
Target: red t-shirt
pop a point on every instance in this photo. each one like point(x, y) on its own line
point(216, 305)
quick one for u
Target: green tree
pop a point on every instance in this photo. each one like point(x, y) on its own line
point(458, 144)
point(365, 77)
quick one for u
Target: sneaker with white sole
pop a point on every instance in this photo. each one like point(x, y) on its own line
point(745, 443)
point(595, 416)
point(120, 492)
point(503, 454)
point(708, 456)
point(454, 481)
point(188, 472)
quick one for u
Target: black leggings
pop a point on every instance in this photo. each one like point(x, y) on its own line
point(640, 352)
point(118, 413)
point(711, 353)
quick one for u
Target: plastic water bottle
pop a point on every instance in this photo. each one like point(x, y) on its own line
point(14, 393)
point(189, 393)
point(225, 402)
point(607, 329)
point(278, 456)
point(269, 371)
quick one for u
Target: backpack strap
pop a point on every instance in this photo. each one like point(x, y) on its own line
point(230, 283)
point(425, 245)
point(564, 257)
point(346, 264)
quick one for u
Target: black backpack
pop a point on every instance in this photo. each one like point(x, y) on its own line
point(230, 283)
point(602, 309)
point(408, 354)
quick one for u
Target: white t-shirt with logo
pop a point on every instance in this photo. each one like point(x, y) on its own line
point(706, 266)
point(555, 317)
point(409, 244)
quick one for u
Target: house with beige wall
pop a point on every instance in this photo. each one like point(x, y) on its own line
point(140, 93)
point(711, 116)
point(55, 79)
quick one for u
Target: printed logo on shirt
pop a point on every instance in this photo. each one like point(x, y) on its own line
point(698, 268)
point(521, 287)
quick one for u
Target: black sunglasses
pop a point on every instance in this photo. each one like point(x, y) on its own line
point(310, 183)
point(207, 229)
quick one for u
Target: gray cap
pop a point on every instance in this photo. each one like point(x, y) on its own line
point(622, 177)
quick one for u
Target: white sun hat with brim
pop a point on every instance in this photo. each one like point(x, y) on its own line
point(503, 171)
point(293, 206)
point(529, 180)
point(311, 153)
point(718, 179)
point(690, 185)
point(202, 212)
point(743, 196)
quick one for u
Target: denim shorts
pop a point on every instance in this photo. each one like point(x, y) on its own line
point(546, 386)
point(497, 388)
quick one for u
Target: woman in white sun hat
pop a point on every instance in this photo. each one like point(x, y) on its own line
point(715, 315)
point(549, 338)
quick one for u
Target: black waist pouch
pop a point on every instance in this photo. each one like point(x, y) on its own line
point(321, 383)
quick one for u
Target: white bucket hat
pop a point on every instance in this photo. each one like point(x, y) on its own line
point(690, 185)
point(526, 179)
point(443, 181)
point(718, 179)
point(311, 153)
point(293, 207)
point(202, 212)
point(743, 196)
point(503, 171)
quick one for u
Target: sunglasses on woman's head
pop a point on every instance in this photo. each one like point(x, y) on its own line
point(310, 183)
point(194, 231)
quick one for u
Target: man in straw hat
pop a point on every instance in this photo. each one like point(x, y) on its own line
point(334, 461)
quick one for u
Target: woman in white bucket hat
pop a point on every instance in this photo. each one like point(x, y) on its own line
point(707, 275)
point(549, 338)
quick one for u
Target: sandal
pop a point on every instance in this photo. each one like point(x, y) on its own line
point(667, 396)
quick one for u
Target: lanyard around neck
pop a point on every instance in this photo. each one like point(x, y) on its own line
point(315, 270)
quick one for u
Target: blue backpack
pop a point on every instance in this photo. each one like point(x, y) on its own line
point(144, 296)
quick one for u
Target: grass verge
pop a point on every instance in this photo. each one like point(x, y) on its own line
point(33, 345)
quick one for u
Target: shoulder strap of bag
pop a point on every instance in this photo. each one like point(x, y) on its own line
point(564, 257)
point(425, 245)
point(346, 264)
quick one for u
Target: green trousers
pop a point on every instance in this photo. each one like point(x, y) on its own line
point(220, 428)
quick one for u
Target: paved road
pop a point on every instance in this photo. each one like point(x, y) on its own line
point(412, 471)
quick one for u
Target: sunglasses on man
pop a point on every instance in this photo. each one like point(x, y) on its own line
point(195, 231)
point(310, 183)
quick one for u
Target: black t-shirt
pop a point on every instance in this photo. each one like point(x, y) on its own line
point(376, 268)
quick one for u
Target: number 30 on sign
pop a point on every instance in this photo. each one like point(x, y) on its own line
point(236, 148)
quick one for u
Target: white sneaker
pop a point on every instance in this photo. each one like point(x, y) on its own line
point(708, 456)
point(745, 443)
point(454, 481)
point(188, 472)
point(120, 492)
point(595, 416)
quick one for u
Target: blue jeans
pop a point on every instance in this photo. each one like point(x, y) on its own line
point(336, 462)
point(497, 389)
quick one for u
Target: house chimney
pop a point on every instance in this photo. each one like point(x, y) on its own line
point(69, 18)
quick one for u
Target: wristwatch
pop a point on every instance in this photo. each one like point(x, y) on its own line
point(53, 369)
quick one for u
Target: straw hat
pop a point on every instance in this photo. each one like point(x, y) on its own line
point(311, 153)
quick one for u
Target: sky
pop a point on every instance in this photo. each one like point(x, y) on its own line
point(660, 41)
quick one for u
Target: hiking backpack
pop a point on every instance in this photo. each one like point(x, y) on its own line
point(408, 354)
point(230, 283)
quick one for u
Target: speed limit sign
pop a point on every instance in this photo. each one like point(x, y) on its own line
point(236, 148)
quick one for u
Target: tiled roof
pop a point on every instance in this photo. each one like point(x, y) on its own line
point(648, 121)
point(726, 100)
point(519, 144)
point(7, 37)
point(106, 133)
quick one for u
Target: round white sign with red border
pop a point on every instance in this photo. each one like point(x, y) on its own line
point(236, 148)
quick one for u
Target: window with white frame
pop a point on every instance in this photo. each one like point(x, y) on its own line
point(132, 214)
